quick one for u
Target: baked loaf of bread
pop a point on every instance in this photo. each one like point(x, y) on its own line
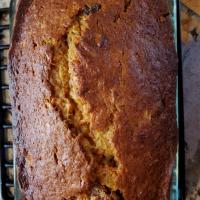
point(93, 93)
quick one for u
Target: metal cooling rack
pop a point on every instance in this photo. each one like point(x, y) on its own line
point(6, 146)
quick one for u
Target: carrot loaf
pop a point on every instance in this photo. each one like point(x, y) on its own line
point(93, 87)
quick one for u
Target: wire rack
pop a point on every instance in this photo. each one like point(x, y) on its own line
point(6, 145)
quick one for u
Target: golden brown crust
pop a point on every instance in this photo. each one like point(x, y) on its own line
point(113, 65)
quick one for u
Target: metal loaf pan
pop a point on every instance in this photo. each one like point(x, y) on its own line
point(175, 188)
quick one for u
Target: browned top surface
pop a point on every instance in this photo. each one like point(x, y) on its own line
point(126, 72)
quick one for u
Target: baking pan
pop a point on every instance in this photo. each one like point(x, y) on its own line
point(176, 190)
